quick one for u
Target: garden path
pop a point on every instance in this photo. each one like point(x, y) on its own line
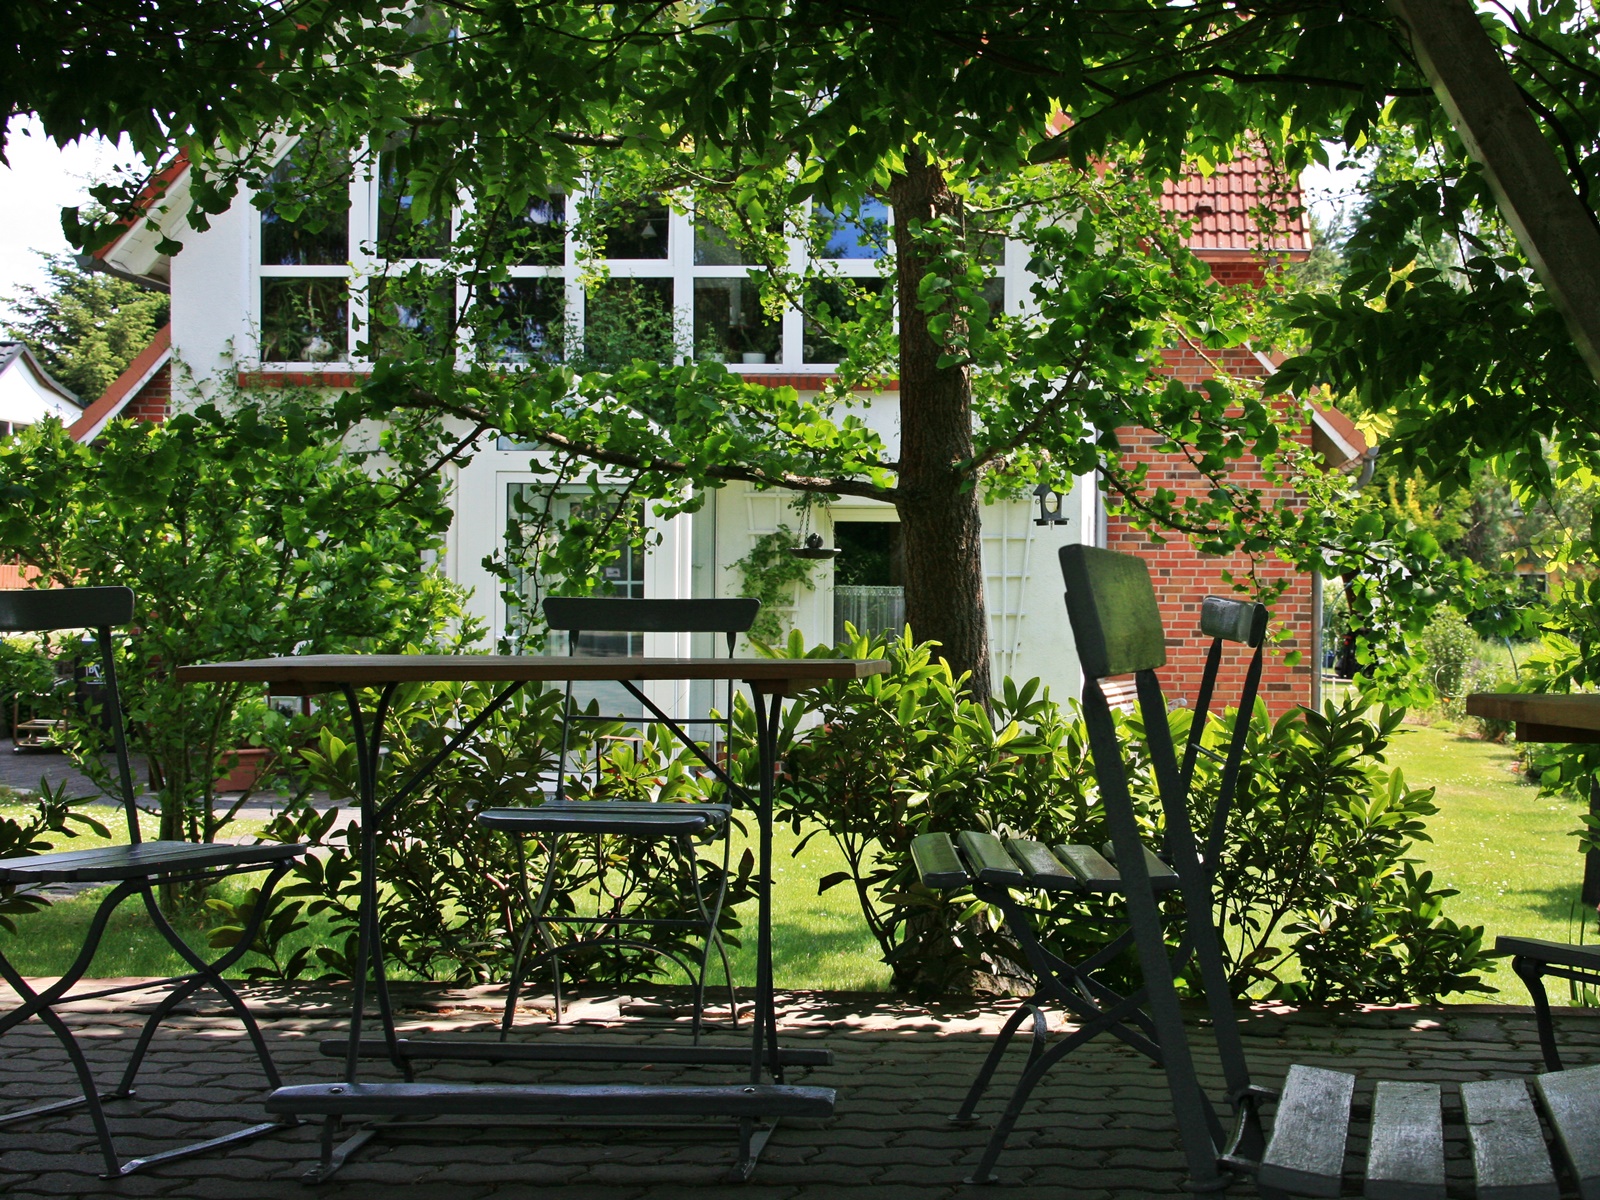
point(1099, 1128)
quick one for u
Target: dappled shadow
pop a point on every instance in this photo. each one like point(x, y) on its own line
point(1100, 1125)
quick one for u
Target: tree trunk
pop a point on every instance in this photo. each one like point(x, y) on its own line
point(940, 519)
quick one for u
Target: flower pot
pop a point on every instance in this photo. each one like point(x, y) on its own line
point(246, 772)
point(752, 358)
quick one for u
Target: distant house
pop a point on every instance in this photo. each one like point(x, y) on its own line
point(28, 394)
point(254, 300)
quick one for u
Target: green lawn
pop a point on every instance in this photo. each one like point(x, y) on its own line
point(1495, 840)
point(818, 941)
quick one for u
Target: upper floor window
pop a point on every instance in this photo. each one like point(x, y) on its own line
point(406, 229)
point(304, 281)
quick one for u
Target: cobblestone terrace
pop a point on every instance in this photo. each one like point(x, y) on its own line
point(1099, 1128)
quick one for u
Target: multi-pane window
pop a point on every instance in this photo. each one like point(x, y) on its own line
point(669, 288)
point(304, 275)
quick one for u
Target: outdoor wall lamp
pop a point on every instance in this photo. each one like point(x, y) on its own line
point(1052, 509)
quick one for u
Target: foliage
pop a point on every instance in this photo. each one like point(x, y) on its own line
point(452, 893)
point(1320, 896)
point(55, 816)
point(247, 531)
point(769, 573)
point(1448, 645)
point(84, 327)
point(26, 673)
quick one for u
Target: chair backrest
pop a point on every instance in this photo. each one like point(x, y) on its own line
point(576, 615)
point(1116, 624)
point(1116, 621)
point(97, 608)
point(38, 610)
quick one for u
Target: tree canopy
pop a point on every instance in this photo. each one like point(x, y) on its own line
point(511, 102)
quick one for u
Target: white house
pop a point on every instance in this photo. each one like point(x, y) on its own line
point(251, 296)
point(28, 394)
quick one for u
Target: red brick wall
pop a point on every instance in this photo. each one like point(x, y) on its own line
point(153, 400)
point(1184, 577)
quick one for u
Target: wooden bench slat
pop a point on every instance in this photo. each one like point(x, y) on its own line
point(1508, 1151)
point(1090, 866)
point(1162, 877)
point(1572, 1102)
point(540, 1100)
point(1043, 869)
point(1306, 1153)
point(938, 865)
point(986, 856)
point(1405, 1158)
point(1562, 954)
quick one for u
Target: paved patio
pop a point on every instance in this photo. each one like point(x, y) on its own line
point(1100, 1127)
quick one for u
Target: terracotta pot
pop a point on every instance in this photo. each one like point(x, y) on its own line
point(247, 772)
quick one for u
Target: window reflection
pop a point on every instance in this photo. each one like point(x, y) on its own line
point(730, 324)
point(636, 229)
point(304, 319)
point(830, 302)
point(858, 232)
point(402, 231)
point(522, 320)
point(410, 313)
point(300, 229)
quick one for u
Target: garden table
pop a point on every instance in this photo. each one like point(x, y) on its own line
point(770, 680)
point(1544, 717)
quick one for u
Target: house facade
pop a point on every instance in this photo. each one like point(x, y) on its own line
point(256, 302)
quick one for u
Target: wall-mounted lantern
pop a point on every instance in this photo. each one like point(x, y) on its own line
point(1052, 506)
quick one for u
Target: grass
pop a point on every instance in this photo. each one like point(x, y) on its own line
point(1505, 849)
point(818, 941)
point(1498, 842)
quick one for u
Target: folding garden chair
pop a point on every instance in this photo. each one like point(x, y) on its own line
point(135, 869)
point(678, 824)
point(1117, 626)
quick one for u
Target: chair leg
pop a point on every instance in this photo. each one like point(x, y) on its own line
point(991, 1063)
point(91, 1098)
point(208, 973)
point(1531, 972)
point(535, 924)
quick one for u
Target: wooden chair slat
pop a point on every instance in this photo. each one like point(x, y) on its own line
point(1043, 869)
point(1405, 1158)
point(1572, 1102)
point(1306, 1153)
point(938, 865)
point(1509, 1156)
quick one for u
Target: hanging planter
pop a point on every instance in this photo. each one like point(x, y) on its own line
point(810, 543)
point(813, 548)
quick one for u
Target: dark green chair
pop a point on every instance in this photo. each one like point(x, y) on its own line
point(1116, 624)
point(136, 869)
point(680, 825)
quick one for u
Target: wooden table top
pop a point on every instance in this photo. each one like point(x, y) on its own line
point(322, 672)
point(1542, 717)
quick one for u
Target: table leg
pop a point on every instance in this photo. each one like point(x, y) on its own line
point(1591, 861)
point(768, 706)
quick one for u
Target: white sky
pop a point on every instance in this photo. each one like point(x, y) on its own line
point(41, 181)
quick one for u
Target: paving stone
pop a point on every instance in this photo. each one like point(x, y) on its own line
point(1099, 1126)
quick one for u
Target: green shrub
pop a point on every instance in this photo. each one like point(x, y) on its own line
point(451, 891)
point(1448, 645)
point(1319, 898)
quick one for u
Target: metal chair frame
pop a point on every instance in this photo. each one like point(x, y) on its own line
point(1117, 627)
point(135, 869)
point(679, 823)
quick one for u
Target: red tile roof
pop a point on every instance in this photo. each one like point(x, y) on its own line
point(125, 386)
point(1221, 206)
